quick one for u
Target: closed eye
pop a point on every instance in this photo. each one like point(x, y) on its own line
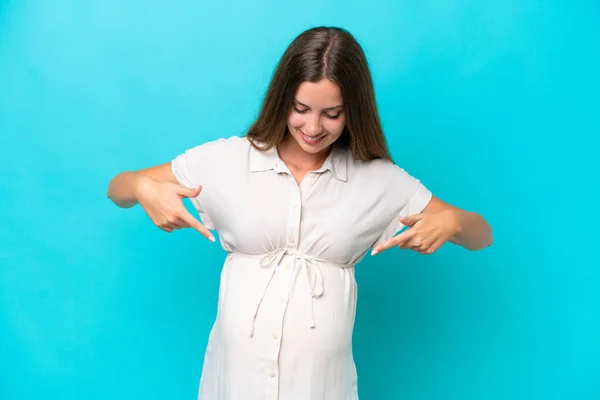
point(305, 110)
point(300, 111)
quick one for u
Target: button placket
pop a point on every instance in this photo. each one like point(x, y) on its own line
point(274, 346)
point(293, 220)
point(286, 279)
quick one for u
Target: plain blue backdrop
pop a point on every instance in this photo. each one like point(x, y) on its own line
point(494, 105)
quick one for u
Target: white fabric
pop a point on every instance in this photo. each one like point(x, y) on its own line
point(287, 299)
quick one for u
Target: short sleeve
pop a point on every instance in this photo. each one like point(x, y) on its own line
point(200, 166)
point(410, 195)
point(180, 168)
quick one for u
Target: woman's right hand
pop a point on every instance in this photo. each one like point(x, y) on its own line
point(163, 202)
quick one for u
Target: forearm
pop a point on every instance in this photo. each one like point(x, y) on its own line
point(123, 189)
point(473, 232)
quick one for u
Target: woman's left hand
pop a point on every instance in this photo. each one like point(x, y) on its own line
point(426, 232)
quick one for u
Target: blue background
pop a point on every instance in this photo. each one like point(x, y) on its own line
point(492, 104)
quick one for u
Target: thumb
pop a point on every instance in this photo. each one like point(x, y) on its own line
point(411, 219)
point(190, 193)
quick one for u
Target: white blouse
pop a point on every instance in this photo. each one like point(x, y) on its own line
point(287, 299)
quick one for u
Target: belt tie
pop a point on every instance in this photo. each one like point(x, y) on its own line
point(312, 269)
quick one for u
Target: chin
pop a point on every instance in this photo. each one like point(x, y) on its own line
point(314, 149)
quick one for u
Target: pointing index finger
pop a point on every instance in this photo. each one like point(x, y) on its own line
point(395, 241)
point(194, 223)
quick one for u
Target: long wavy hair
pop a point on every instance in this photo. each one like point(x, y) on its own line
point(324, 53)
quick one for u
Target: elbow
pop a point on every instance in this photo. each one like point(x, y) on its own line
point(487, 241)
point(109, 190)
point(489, 236)
point(112, 193)
point(109, 196)
point(479, 246)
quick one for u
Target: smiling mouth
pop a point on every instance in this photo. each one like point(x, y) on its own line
point(311, 139)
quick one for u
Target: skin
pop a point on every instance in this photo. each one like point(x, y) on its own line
point(318, 111)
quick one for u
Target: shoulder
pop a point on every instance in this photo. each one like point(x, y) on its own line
point(215, 152)
point(376, 168)
point(222, 147)
point(380, 174)
point(210, 160)
point(231, 142)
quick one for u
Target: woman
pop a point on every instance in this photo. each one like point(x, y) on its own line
point(297, 203)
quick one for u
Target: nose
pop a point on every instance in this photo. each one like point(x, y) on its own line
point(313, 126)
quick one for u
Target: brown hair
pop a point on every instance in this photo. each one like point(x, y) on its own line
point(334, 54)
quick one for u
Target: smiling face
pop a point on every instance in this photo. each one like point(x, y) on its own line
point(317, 117)
point(321, 64)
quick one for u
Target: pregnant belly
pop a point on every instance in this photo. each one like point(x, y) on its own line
point(307, 307)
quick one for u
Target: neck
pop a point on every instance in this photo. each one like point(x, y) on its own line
point(291, 153)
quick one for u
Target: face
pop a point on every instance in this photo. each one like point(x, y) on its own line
point(317, 117)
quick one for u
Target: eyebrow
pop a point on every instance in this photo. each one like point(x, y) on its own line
point(325, 109)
